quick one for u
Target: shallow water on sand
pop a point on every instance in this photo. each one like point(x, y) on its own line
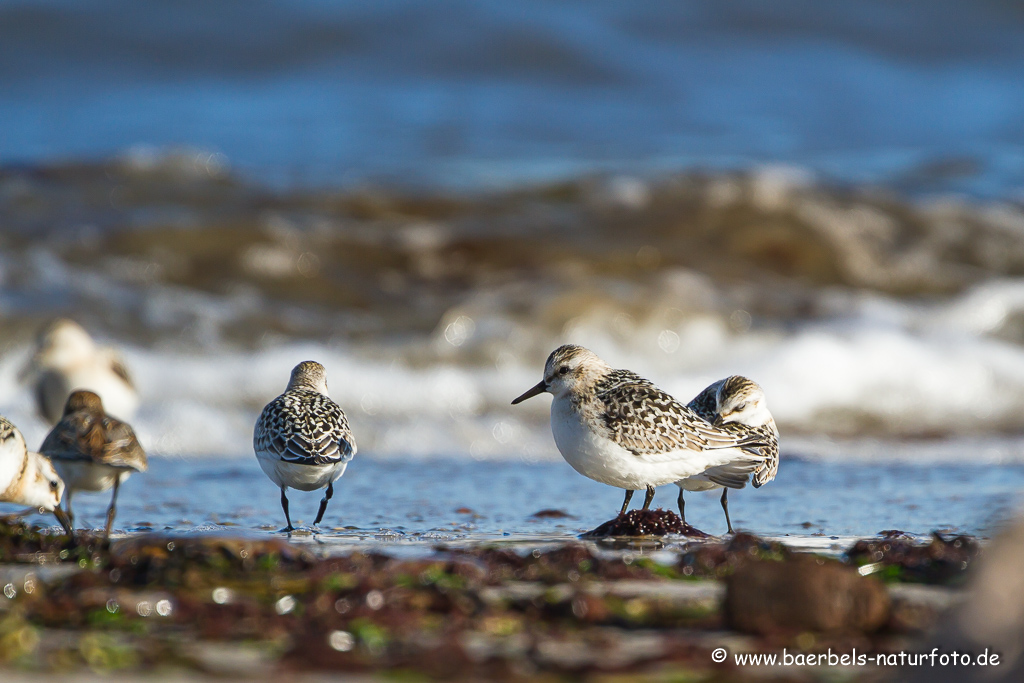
point(447, 500)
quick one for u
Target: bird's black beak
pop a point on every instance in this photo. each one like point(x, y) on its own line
point(64, 520)
point(539, 388)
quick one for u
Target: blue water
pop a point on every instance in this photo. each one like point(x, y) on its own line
point(920, 95)
point(420, 500)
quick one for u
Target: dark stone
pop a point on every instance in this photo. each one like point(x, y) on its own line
point(552, 514)
point(803, 593)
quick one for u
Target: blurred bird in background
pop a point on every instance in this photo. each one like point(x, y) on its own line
point(66, 358)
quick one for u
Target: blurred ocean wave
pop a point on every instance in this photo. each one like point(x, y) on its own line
point(863, 314)
point(923, 95)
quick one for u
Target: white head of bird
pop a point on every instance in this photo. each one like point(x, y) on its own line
point(309, 375)
point(26, 477)
point(43, 488)
point(569, 369)
point(64, 344)
point(742, 401)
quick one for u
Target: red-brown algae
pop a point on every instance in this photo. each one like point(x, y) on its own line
point(490, 611)
point(645, 523)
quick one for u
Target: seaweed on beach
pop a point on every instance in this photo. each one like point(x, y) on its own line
point(262, 607)
point(897, 557)
point(22, 542)
point(718, 560)
point(645, 523)
point(172, 558)
point(572, 562)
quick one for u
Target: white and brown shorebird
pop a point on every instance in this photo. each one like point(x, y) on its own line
point(27, 477)
point(66, 358)
point(93, 451)
point(617, 428)
point(736, 405)
point(302, 438)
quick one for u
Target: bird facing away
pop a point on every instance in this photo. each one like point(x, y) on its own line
point(27, 477)
point(93, 451)
point(617, 428)
point(66, 358)
point(302, 438)
point(738, 405)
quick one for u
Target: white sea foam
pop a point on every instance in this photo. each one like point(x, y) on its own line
point(877, 369)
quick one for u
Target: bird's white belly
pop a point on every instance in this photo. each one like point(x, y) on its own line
point(697, 483)
point(12, 458)
point(601, 459)
point(83, 475)
point(299, 476)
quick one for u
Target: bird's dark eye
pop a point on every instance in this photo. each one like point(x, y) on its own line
point(740, 407)
point(54, 485)
point(564, 369)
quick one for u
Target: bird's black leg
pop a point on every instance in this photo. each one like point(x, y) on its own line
point(62, 517)
point(725, 506)
point(323, 503)
point(625, 503)
point(682, 515)
point(648, 498)
point(67, 502)
point(284, 506)
point(112, 510)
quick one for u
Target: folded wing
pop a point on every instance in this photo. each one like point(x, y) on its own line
point(645, 420)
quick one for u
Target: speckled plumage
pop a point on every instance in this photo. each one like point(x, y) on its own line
point(615, 427)
point(736, 405)
point(93, 451)
point(729, 392)
point(305, 427)
point(705, 404)
point(643, 419)
point(302, 438)
point(87, 434)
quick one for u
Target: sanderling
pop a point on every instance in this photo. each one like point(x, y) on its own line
point(27, 477)
point(619, 429)
point(737, 405)
point(302, 439)
point(67, 358)
point(93, 451)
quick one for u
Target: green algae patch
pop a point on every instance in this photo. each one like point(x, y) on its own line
point(18, 637)
point(21, 542)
